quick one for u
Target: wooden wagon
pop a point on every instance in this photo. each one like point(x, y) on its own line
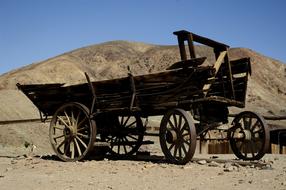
point(191, 97)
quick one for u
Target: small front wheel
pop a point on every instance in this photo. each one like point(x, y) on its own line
point(249, 137)
point(178, 136)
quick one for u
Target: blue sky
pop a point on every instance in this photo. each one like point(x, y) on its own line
point(34, 30)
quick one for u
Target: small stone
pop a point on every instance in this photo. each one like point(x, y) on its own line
point(276, 158)
point(283, 183)
point(149, 166)
point(227, 165)
point(250, 181)
point(266, 167)
point(105, 159)
point(214, 164)
point(8, 169)
point(202, 162)
point(237, 165)
point(265, 180)
point(252, 166)
point(229, 169)
point(163, 166)
point(1, 176)
point(220, 173)
point(187, 167)
point(240, 181)
point(13, 162)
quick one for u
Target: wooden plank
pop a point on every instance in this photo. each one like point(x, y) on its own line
point(188, 63)
point(202, 40)
point(191, 46)
point(226, 60)
point(216, 67)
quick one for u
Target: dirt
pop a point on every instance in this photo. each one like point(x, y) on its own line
point(36, 169)
point(28, 162)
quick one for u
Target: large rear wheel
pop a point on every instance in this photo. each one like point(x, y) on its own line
point(72, 133)
point(178, 136)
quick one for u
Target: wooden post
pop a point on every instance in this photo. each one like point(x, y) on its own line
point(183, 53)
point(191, 46)
point(226, 60)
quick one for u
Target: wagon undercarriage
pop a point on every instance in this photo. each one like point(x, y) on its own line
point(193, 98)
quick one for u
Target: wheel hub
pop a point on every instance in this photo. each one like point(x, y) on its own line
point(70, 132)
point(171, 136)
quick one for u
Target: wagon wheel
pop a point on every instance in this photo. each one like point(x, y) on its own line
point(72, 133)
point(249, 137)
point(178, 136)
point(125, 136)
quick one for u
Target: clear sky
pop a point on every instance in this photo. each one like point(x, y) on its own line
point(34, 30)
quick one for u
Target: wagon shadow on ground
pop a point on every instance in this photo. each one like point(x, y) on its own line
point(140, 156)
point(157, 159)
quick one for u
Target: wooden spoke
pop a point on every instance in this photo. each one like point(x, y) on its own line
point(172, 125)
point(81, 122)
point(124, 125)
point(60, 128)
point(62, 143)
point(61, 119)
point(77, 146)
point(68, 118)
point(82, 135)
point(57, 137)
point(81, 141)
point(180, 123)
point(77, 118)
point(172, 146)
point(175, 121)
point(83, 128)
point(131, 124)
point(184, 149)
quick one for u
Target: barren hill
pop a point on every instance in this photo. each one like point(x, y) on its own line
point(266, 92)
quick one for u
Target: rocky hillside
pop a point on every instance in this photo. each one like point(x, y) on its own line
point(266, 92)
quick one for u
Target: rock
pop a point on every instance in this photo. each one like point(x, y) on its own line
point(13, 162)
point(148, 166)
point(266, 167)
point(202, 162)
point(283, 183)
point(237, 165)
point(250, 181)
point(214, 164)
point(220, 173)
point(187, 167)
point(8, 169)
point(240, 181)
point(230, 169)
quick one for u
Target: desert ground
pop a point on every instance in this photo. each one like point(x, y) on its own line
point(29, 163)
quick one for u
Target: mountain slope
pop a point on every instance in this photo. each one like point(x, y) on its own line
point(266, 91)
